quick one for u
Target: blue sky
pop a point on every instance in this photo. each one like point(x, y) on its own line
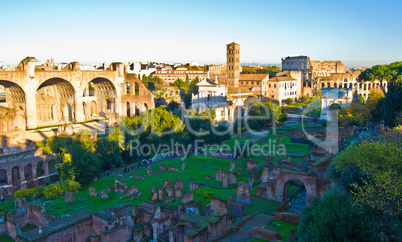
point(359, 33)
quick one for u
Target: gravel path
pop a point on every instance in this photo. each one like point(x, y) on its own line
point(258, 220)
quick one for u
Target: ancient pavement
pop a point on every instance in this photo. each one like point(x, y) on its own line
point(258, 220)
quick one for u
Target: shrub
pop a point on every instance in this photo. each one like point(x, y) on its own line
point(29, 192)
point(50, 192)
point(58, 189)
point(288, 101)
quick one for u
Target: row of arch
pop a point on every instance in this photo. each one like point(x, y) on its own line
point(363, 86)
point(56, 100)
point(17, 174)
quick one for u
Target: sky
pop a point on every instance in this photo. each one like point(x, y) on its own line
point(358, 33)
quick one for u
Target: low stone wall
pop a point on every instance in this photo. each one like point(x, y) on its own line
point(293, 218)
point(265, 234)
point(3, 227)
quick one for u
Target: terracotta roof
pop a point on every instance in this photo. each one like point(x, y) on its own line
point(239, 90)
point(252, 77)
point(221, 78)
point(233, 43)
point(282, 78)
point(210, 82)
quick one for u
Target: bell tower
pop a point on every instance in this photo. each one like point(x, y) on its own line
point(233, 64)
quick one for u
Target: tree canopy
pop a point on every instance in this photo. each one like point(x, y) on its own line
point(371, 170)
point(393, 98)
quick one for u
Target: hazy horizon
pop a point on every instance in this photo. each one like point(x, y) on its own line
point(358, 33)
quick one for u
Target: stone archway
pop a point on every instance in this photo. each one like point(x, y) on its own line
point(3, 176)
point(104, 94)
point(92, 109)
point(276, 191)
point(40, 169)
point(182, 229)
point(12, 107)
point(28, 171)
point(128, 109)
point(15, 175)
point(12, 95)
point(84, 106)
point(55, 101)
point(52, 166)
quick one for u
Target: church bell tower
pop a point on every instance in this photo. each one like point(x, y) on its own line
point(233, 64)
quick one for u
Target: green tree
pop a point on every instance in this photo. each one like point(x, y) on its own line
point(109, 153)
point(393, 98)
point(209, 113)
point(375, 105)
point(173, 105)
point(187, 80)
point(288, 101)
point(303, 99)
point(372, 171)
point(355, 114)
point(334, 219)
point(180, 84)
point(195, 81)
point(393, 101)
point(264, 115)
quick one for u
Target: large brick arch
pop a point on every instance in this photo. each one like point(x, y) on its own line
point(29, 80)
point(275, 189)
point(55, 101)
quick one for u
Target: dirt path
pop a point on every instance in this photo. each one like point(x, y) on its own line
point(258, 220)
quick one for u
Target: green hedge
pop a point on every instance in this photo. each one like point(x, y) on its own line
point(51, 192)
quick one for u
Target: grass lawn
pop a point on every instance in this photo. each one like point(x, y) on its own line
point(7, 205)
point(197, 167)
point(282, 228)
point(6, 238)
point(255, 240)
point(271, 143)
point(228, 143)
point(300, 104)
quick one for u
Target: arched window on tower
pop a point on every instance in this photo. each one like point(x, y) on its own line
point(137, 89)
point(2, 94)
point(127, 88)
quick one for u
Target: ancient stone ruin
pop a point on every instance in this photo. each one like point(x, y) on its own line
point(243, 193)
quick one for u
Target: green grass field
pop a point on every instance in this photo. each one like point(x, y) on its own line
point(197, 167)
point(272, 144)
point(282, 228)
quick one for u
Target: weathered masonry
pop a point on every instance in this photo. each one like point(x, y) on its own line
point(27, 173)
point(49, 97)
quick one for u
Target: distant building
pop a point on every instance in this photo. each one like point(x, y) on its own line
point(326, 74)
point(140, 68)
point(283, 86)
point(224, 94)
point(193, 63)
point(170, 76)
point(257, 83)
point(167, 94)
point(332, 97)
point(217, 69)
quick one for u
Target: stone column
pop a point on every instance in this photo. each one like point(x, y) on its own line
point(79, 109)
point(30, 108)
point(22, 173)
point(9, 179)
point(118, 99)
point(46, 167)
point(34, 175)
